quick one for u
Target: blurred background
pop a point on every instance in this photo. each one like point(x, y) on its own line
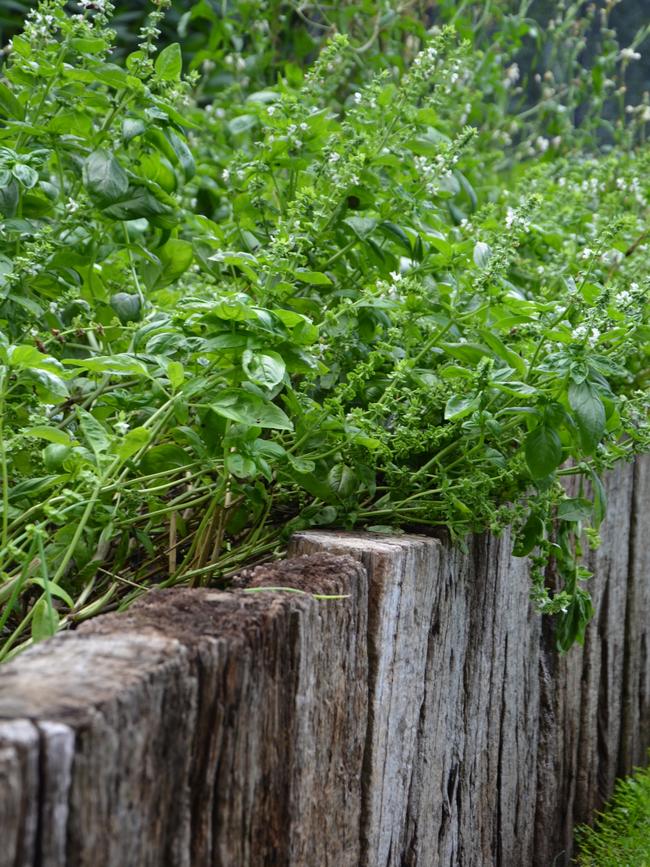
point(211, 31)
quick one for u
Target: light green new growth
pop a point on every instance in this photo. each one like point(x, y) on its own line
point(621, 834)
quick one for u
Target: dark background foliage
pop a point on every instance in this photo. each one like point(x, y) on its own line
point(627, 18)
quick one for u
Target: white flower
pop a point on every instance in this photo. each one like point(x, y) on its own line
point(225, 174)
point(92, 5)
point(122, 427)
point(586, 253)
point(334, 157)
point(623, 298)
point(357, 97)
point(613, 257)
point(629, 54)
point(579, 332)
point(396, 276)
point(593, 337)
point(634, 287)
point(71, 206)
point(271, 110)
point(53, 306)
point(512, 75)
point(511, 217)
point(542, 143)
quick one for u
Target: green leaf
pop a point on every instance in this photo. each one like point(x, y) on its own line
point(600, 498)
point(182, 153)
point(50, 383)
point(133, 441)
point(9, 196)
point(397, 233)
point(89, 45)
point(24, 356)
point(341, 480)
point(54, 455)
point(574, 509)
point(471, 353)
point(458, 406)
point(9, 104)
point(127, 307)
point(301, 465)
point(240, 465)
point(51, 434)
point(176, 257)
point(104, 177)
point(250, 409)
point(361, 226)
point(572, 623)
point(169, 63)
point(132, 127)
point(45, 620)
point(543, 451)
point(175, 374)
point(265, 369)
point(163, 458)
point(141, 203)
point(115, 365)
point(54, 590)
point(27, 176)
point(242, 123)
point(501, 350)
point(482, 254)
point(531, 535)
point(315, 278)
point(94, 432)
point(589, 414)
point(33, 487)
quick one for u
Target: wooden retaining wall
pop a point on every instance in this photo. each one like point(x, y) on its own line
point(424, 720)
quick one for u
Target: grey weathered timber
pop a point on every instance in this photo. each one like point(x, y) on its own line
point(514, 744)
point(424, 719)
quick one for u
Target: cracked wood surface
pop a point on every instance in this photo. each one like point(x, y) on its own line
point(423, 720)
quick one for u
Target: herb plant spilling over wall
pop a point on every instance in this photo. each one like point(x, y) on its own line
point(380, 290)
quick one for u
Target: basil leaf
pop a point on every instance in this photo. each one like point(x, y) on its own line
point(543, 451)
point(589, 414)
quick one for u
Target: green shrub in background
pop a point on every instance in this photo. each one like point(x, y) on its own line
point(380, 291)
point(621, 834)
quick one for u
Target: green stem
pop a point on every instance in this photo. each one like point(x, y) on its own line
point(3, 463)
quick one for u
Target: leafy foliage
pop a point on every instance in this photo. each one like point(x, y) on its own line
point(621, 835)
point(366, 293)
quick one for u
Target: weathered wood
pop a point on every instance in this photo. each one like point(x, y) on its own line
point(193, 730)
point(514, 743)
point(635, 736)
point(449, 776)
point(425, 719)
